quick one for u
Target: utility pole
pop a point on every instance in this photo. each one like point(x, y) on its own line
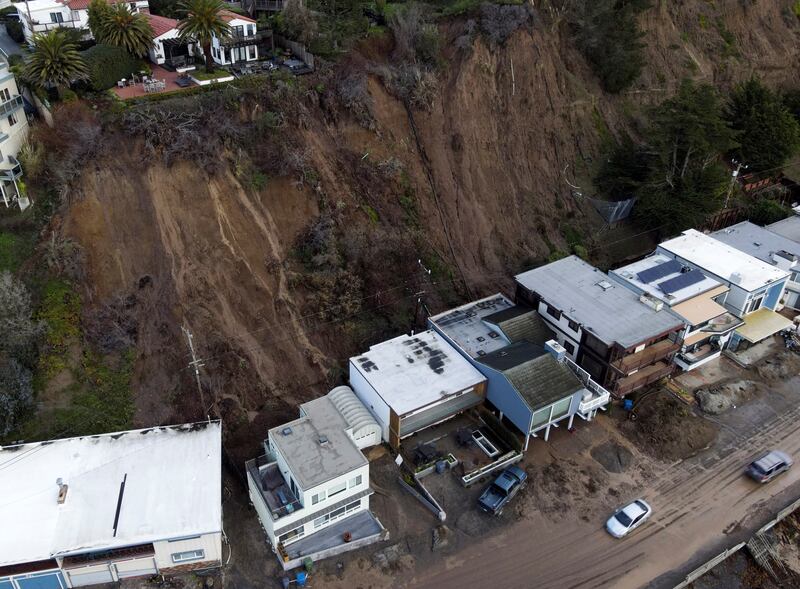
point(196, 363)
point(734, 175)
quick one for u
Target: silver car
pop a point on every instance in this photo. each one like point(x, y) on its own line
point(768, 466)
point(628, 518)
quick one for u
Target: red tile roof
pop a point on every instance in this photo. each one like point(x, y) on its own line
point(161, 24)
point(84, 4)
point(228, 16)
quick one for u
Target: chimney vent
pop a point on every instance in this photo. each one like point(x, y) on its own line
point(62, 491)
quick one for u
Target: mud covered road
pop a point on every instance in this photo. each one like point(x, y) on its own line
point(702, 505)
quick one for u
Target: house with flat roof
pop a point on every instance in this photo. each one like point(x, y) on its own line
point(412, 382)
point(788, 227)
point(756, 287)
point(530, 380)
point(770, 247)
point(311, 489)
point(693, 296)
point(623, 341)
point(99, 509)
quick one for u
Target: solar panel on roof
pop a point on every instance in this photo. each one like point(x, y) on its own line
point(688, 279)
point(664, 269)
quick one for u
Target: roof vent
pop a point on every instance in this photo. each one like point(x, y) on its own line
point(605, 285)
point(757, 243)
point(323, 439)
point(286, 431)
point(62, 491)
point(736, 278)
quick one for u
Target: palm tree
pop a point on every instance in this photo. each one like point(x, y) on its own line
point(202, 21)
point(97, 12)
point(54, 61)
point(120, 27)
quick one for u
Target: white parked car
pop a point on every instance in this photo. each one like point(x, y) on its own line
point(628, 518)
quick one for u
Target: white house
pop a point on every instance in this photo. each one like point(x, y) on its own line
point(168, 48)
point(241, 45)
point(13, 132)
point(756, 287)
point(414, 381)
point(39, 16)
point(97, 509)
point(770, 247)
point(311, 487)
point(691, 295)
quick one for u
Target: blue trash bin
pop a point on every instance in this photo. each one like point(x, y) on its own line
point(627, 404)
point(301, 578)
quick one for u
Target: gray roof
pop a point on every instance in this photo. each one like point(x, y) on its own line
point(312, 462)
point(789, 228)
point(759, 242)
point(520, 323)
point(539, 378)
point(603, 307)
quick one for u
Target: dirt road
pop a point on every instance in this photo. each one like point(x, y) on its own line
point(701, 505)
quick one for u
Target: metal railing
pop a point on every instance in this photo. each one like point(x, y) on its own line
point(10, 105)
point(243, 39)
point(268, 4)
point(596, 402)
point(292, 504)
point(641, 379)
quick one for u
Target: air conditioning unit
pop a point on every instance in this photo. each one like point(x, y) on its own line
point(654, 304)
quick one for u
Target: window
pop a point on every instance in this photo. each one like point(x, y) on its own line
point(569, 347)
point(56, 17)
point(755, 304)
point(12, 120)
point(5, 94)
point(317, 497)
point(291, 535)
point(188, 555)
point(338, 488)
point(553, 312)
point(573, 325)
point(355, 481)
point(238, 31)
point(251, 51)
point(251, 29)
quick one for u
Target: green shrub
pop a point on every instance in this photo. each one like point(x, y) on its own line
point(107, 65)
point(766, 211)
point(14, 30)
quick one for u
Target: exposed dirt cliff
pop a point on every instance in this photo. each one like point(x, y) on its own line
point(477, 187)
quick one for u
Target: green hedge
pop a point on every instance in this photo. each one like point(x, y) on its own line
point(14, 30)
point(107, 65)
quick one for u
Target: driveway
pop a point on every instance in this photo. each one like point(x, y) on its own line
point(701, 506)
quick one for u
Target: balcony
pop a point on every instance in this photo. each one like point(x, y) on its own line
point(689, 360)
point(650, 354)
point(10, 105)
point(642, 378)
point(277, 496)
point(237, 40)
point(591, 403)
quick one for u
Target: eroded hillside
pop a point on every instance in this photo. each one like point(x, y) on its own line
point(281, 279)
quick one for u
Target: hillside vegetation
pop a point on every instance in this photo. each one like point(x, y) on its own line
point(290, 223)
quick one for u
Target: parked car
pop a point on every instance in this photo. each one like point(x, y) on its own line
point(768, 466)
point(628, 518)
point(500, 492)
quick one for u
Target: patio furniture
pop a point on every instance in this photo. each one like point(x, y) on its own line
point(121, 84)
point(183, 81)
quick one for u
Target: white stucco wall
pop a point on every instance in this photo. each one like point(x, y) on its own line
point(211, 544)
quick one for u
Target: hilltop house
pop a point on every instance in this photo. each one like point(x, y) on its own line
point(691, 295)
point(98, 509)
point(242, 43)
point(770, 247)
point(755, 287)
point(530, 380)
point(414, 381)
point(623, 341)
point(311, 487)
point(13, 132)
point(40, 16)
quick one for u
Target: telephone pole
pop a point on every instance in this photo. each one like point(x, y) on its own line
point(196, 363)
point(734, 175)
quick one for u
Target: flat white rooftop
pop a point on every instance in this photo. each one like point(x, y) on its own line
point(722, 260)
point(656, 275)
point(173, 488)
point(412, 371)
